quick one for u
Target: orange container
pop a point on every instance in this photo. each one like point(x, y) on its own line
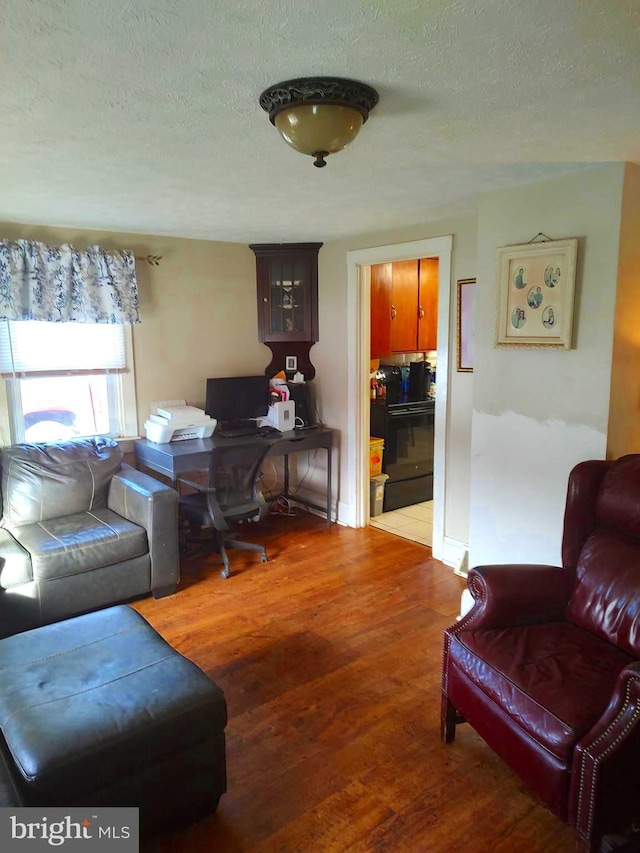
point(376, 448)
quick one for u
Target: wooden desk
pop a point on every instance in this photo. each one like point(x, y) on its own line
point(178, 457)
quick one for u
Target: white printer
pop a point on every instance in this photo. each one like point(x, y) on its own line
point(173, 420)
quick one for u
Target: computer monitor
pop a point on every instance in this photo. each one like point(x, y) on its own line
point(237, 398)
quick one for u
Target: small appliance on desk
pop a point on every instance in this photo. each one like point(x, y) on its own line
point(173, 420)
point(281, 415)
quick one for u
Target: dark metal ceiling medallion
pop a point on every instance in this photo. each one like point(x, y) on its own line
point(319, 90)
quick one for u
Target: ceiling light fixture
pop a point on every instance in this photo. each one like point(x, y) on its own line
point(318, 115)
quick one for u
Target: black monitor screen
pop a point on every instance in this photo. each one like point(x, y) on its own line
point(237, 398)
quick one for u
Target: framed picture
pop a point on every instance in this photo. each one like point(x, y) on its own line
point(466, 329)
point(291, 362)
point(536, 282)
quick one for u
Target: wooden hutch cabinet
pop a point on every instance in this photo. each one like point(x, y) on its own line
point(287, 287)
point(287, 275)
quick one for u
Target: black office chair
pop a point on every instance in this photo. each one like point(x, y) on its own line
point(230, 494)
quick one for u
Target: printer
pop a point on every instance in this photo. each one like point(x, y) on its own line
point(173, 420)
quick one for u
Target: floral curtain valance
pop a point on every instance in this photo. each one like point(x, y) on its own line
point(60, 284)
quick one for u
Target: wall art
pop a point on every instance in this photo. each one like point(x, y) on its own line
point(466, 324)
point(536, 283)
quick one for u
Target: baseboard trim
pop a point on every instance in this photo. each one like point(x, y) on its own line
point(456, 554)
point(320, 499)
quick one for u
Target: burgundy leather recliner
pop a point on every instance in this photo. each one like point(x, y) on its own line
point(546, 666)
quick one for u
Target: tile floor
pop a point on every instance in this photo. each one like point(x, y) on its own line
point(411, 522)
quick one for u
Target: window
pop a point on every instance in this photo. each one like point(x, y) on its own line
point(68, 379)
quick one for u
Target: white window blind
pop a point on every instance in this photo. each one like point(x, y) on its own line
point(31, 348)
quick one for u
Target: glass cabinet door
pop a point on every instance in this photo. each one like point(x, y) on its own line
point(288, 288)
point(287, 277)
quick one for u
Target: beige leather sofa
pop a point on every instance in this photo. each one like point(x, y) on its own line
point(80, 530)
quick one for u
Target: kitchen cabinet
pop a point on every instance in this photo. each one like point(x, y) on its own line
point(380, 310)
point(404, 307)
point(428, 304)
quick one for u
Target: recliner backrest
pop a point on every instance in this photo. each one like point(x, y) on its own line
point(606, 597)
point(51, 480)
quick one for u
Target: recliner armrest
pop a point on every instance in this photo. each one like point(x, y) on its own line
point(152, 505)
point(605, 761)
point(510, 595)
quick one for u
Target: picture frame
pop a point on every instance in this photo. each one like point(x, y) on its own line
point(536, 284)
point(466, 325)
point(291, 363)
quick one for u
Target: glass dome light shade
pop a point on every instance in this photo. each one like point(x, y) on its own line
point(318, 128)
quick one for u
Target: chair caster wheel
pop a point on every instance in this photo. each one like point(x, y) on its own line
point(225, 573)
point(264, 558)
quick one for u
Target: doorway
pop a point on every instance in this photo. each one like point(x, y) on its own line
point(359, 265)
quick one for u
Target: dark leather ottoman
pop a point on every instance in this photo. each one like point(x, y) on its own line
point(100, 710)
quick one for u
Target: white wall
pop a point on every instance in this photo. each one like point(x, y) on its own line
point(330, 355)
point(536, 413)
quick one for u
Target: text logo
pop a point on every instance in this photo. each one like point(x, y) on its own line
point(101, 829)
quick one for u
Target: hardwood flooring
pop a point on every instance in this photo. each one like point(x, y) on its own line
point(329, 656)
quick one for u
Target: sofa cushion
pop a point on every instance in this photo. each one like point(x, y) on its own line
point(43, 481)
point(93, 700)
point(15, 562)
point(553, 680)
point(78, 543)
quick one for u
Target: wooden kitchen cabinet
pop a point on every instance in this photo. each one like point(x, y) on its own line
point(380, 310)
point(404, 307)
point(428, 304)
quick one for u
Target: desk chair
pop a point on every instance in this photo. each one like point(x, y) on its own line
point(230, 494)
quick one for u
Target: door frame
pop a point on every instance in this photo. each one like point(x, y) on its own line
point(359, 264)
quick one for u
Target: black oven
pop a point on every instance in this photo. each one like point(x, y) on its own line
point(408, 432)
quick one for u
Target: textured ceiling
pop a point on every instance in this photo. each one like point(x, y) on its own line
point(143, 116)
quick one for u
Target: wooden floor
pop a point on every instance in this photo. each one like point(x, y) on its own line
point(329, 656)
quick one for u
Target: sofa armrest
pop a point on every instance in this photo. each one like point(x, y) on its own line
point(604, 775)
point(511, 595)
point(152, 505)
